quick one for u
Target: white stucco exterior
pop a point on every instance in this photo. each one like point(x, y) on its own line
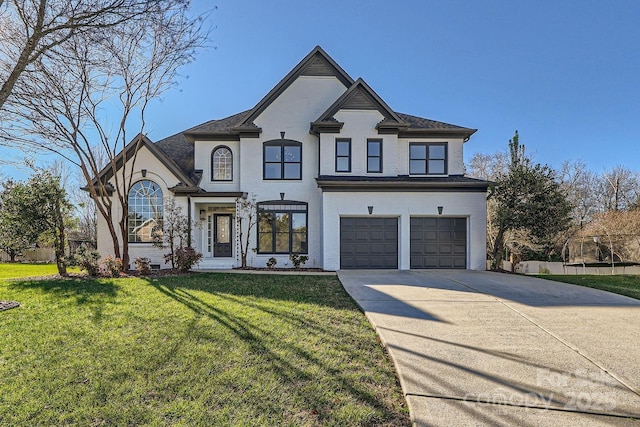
point(157, 172)
point(404, 205)
point(299, 101)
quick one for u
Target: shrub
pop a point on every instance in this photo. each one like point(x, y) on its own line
point(87, 260)
point(298, 260)
point(186, 258)
point(113, 266)
point(143, 266)
point(271, 262)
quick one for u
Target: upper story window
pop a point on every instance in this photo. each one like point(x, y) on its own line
point(145, 210)
point(282, 227)
point(221, 164)
point(282, 159)
point(343, 155)
point(427, 158)
point(374, 155)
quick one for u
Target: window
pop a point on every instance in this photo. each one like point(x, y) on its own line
point(282, 159)
point(145, 210)
point(343, 155)
point(221, 164)
point(282, 227)
point(427, 159)
point(374, 155)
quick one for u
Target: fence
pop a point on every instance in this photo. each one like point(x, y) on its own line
point(602, 254)
point(47, 254)
point(32, 255)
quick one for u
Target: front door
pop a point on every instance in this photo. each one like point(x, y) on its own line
point(222, 244)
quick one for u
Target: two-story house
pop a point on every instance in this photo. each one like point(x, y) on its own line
point(336, 175)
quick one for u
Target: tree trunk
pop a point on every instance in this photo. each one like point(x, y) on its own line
point(498, 248)
point(59, 242)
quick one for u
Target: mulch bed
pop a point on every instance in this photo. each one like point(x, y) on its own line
point(6, 305)
point(279, 269)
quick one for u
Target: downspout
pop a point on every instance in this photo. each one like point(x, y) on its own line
point(189, 221)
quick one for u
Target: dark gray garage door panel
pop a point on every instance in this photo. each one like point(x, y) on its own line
point(438, 242)
point(367, 242)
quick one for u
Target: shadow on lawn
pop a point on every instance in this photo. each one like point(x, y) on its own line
point(265, 341)
point(93, 293)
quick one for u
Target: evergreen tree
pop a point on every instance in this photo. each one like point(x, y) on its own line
point(527, 198)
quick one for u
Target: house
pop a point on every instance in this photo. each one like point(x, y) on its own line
point(336, 174)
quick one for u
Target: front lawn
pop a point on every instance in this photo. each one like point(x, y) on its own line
point(200, 350)
point(620, 284)
point(17, 270)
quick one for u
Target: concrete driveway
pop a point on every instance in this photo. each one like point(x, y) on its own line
point(481, 348)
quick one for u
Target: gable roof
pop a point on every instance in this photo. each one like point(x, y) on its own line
point(161, 152)
point(359, 96)
point(316, 63)
point(176, 152)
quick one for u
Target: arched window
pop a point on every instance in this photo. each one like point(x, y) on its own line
point(145, 210)
point(221, 164)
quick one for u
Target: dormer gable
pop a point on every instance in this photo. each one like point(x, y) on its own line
point(359, 96)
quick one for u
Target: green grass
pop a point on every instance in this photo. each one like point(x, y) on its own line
point(620, 284)
point(17, 270)
point(201, 350)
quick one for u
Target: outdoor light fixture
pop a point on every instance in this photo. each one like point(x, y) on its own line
point(202, 214)
point(144, 172)
point(281, 196)
point(281, 134)
point(370, 209)
point(440, 210)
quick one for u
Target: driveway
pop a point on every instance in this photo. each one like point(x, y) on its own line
point(481, 348)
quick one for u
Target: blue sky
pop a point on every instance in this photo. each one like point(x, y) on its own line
point(565, 74)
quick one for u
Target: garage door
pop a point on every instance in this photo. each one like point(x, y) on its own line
point(438, 242)
point(368, 242)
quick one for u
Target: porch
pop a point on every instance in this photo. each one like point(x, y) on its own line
point(215, 233)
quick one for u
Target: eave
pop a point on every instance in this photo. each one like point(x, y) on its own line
point(462, 133)
point(326, 126)
point(402, 183)
point(234, 134)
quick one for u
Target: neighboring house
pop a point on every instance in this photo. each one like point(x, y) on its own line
point(336, 173)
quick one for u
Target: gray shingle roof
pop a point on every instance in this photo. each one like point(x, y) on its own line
point(415, 122)
point(179, 149)
point(218, 126)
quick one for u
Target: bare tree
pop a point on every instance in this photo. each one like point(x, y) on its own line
point(120, 68)
point(247, 214)
point(618, 189)
point(33, 31)
point(174, 232)
point(579, 185)
point(488, 166)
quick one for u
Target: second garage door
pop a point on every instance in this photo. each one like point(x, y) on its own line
point(368, 242)
point(438, 242)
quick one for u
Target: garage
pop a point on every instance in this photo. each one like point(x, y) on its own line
point(368, 242)
point(438, 242)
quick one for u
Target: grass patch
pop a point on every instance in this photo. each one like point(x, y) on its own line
point(207, 349)
point(627, 285)
point(10, 270)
